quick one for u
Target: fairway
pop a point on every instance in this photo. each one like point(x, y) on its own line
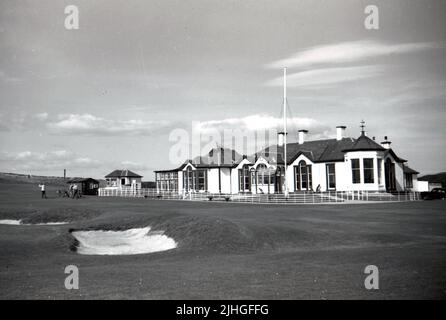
point(224, 250)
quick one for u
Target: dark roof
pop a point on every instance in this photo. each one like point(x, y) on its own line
point(123, 173)
point(326, 150)
point(393, 154)
point(408, 169)
point(172, 170)
point(317, 150)
point(77, 180)
point(329, 150)
point(364, 143)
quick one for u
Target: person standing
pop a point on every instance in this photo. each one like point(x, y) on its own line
point(75, 192)
point(42, 188)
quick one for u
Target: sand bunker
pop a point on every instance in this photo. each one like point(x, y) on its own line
point(10, 221)
point(19, 222)
point(127, 242)
point(47, 223)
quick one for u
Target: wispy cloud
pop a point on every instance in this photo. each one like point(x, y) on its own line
point(132, 165)
point(4, 77)
point(328, 76)
point(52, 160)
point(57, 160)
point(89, 124)
point(258, 122)
point(349, 52)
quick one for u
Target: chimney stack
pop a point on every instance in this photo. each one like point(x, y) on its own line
point(302, 134)
point(280, 138)
point(340, 131)
point(386, 143)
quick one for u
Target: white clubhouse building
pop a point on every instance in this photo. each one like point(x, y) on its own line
point(338, 164)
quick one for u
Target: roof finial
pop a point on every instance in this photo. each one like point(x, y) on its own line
point(362, 126)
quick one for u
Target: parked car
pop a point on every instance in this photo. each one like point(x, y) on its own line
point(435, 193)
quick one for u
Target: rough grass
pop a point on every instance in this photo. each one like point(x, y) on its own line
point(34, 216)
point(13, 178)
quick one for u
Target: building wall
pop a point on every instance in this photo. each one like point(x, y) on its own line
point(433, 185)
point(414, 183)
point(399, 175)
point(234, 180)
point(226, 180)
point(343, 169)
point(213, 180)
point(343, 176)
point(128, 183)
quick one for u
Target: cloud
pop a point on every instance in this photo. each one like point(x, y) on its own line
point(44, 161)
point(88, 124)
point(4, 77)
point(22, 121)
point(328, 76)
point(133, 165)
point(57, 160)
point(41, 116)
point(349, 52)
point(259, 122)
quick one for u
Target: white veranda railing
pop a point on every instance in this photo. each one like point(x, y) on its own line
point(299, 197)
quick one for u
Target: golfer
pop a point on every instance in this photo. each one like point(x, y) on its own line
point(42, 188)
point(75, 191)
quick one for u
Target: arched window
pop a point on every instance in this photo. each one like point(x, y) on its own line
point(264, 175)
point(244, 179)
point(303, 176)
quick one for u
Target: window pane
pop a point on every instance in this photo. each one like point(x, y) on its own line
point(368, 170)
point(356, 174)
point(331, 177)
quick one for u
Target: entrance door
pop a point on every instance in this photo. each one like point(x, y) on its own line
point(244, 179)
point(303, 177)
point(389, 171)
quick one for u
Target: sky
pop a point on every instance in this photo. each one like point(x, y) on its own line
point(109, 95)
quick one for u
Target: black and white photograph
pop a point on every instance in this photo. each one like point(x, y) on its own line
point(222, 150)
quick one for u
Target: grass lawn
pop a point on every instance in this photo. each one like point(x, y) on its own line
point(225, 250)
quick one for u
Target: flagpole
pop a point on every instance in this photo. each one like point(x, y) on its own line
point(285, 131)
